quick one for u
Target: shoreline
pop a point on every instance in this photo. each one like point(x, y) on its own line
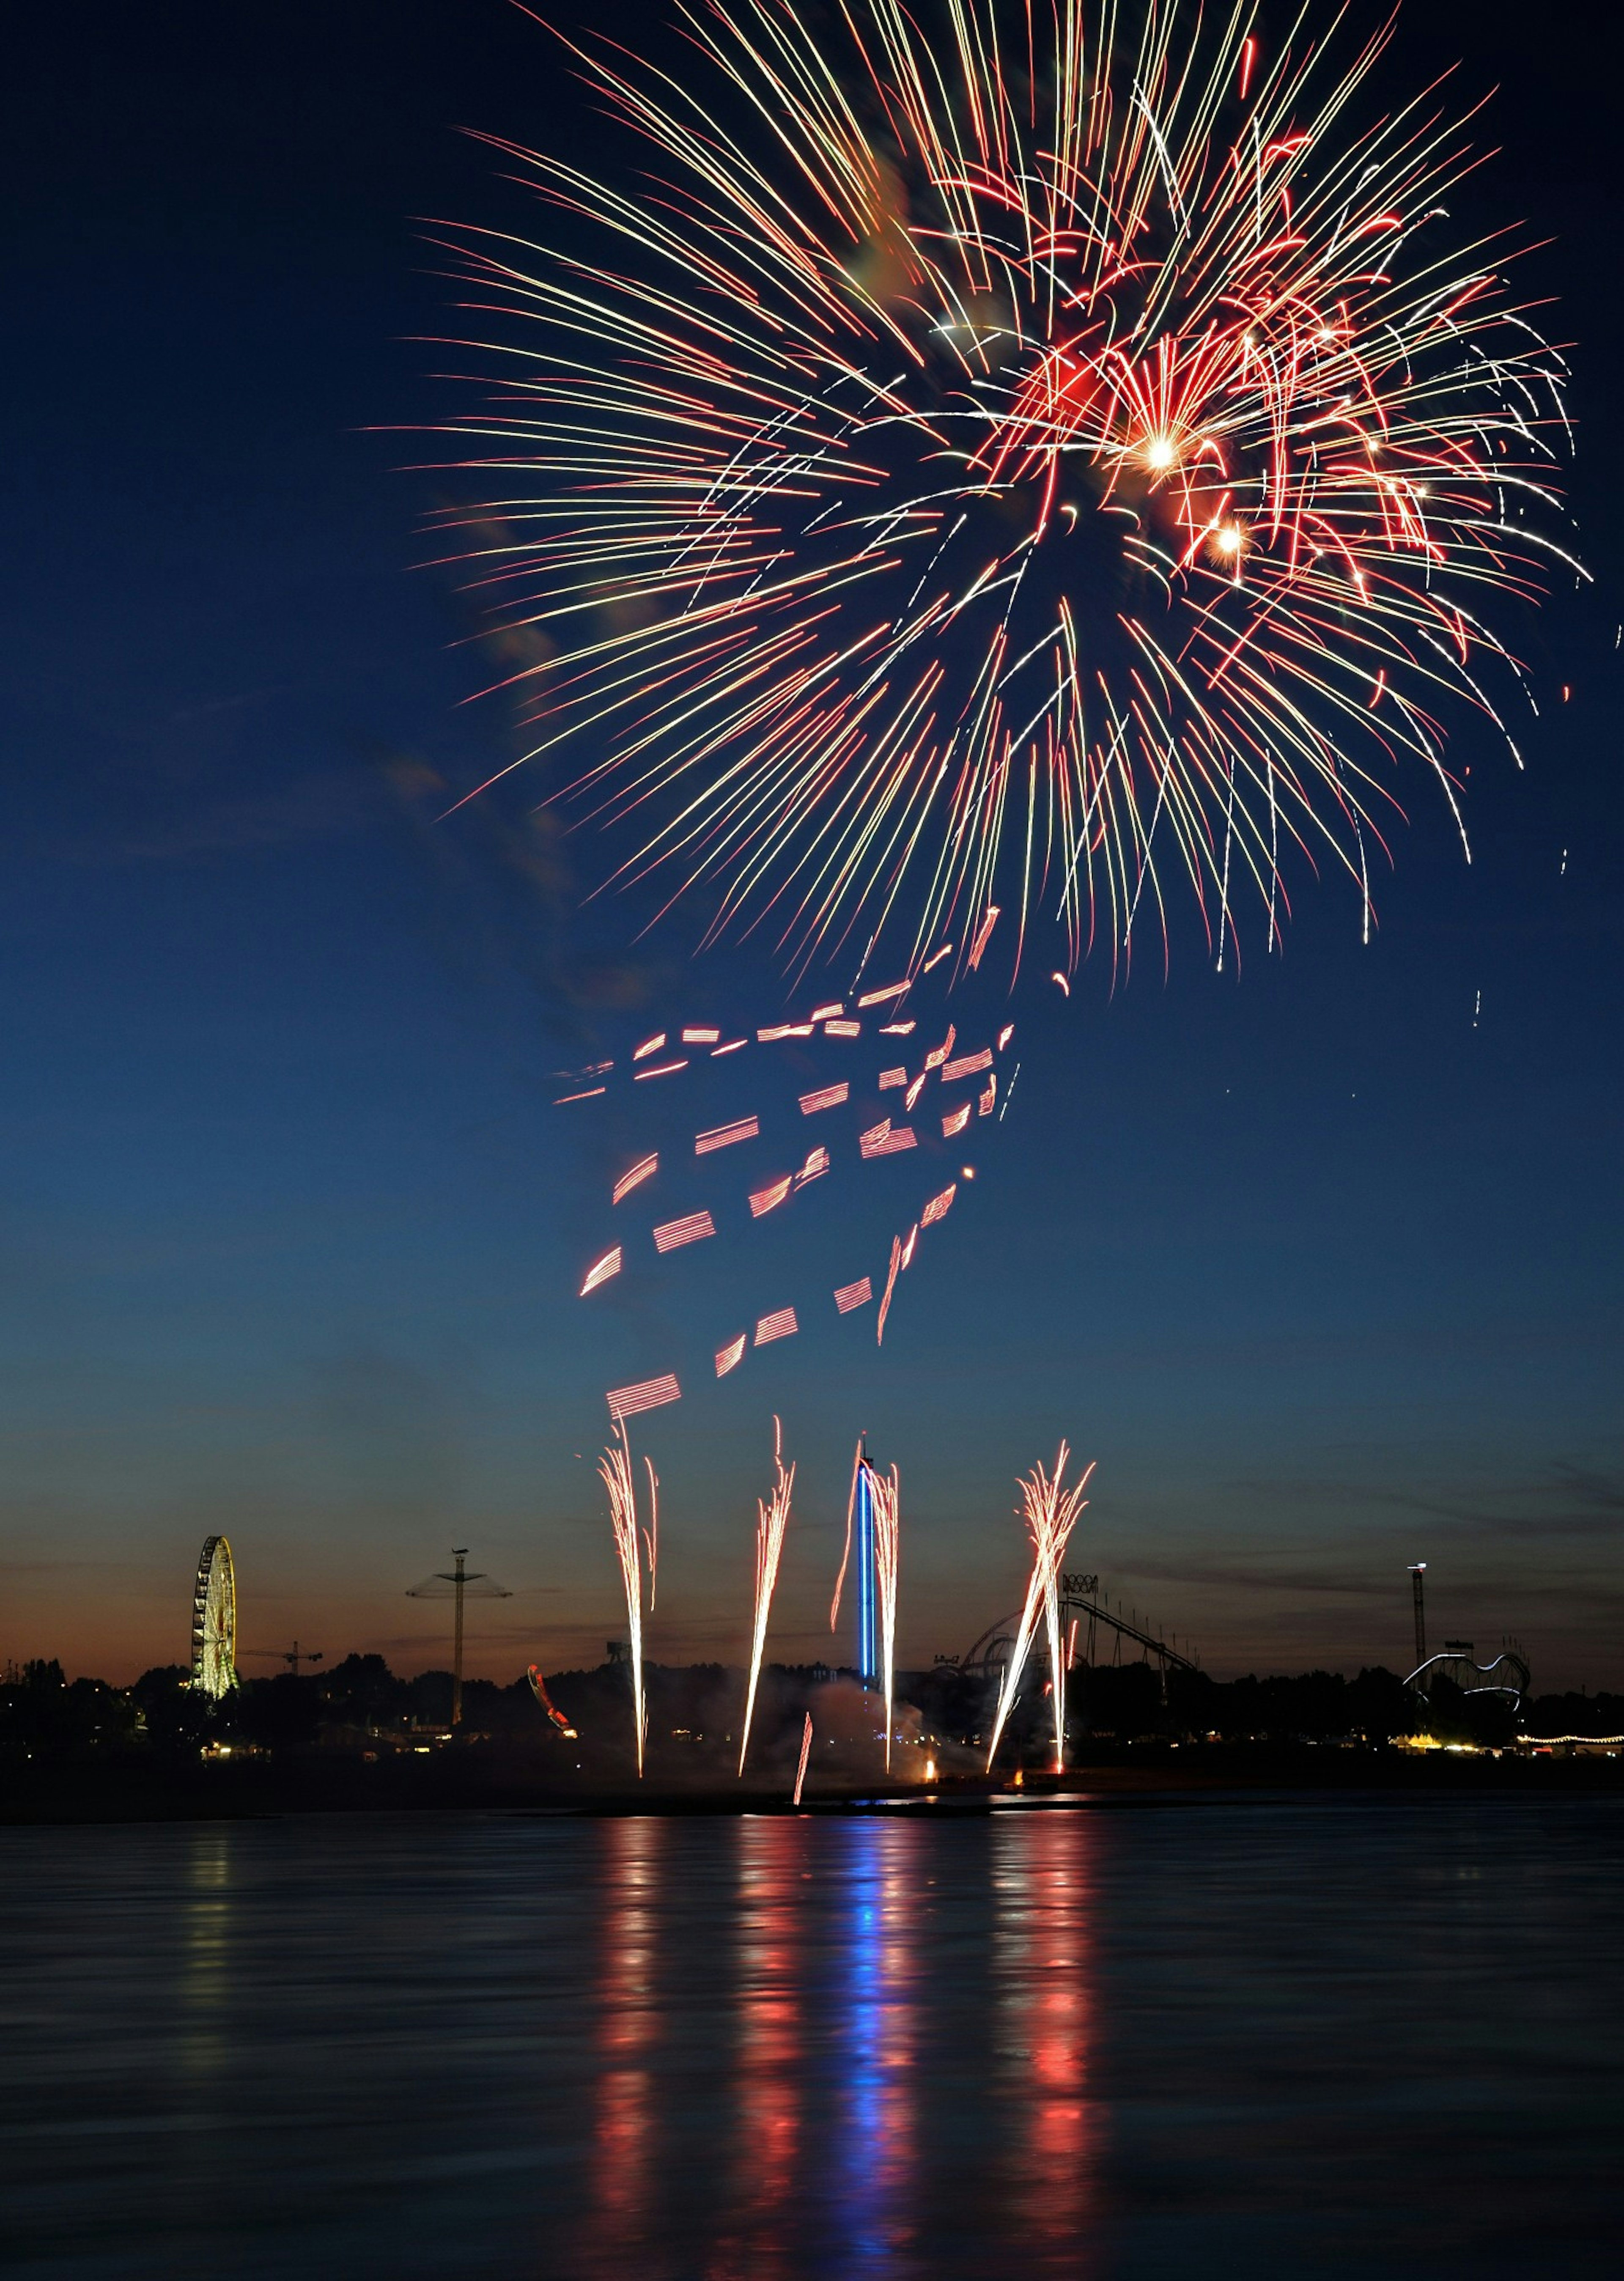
point(62, 1796)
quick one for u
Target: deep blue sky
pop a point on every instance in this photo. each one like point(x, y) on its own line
point(1325, 1276)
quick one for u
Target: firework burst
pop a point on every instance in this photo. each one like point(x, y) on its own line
point(1004, 454)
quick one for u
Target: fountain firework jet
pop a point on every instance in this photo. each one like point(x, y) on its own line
point(615, 1471)
point(773, 1518)
point(1051, 1514)
point(883, 1502)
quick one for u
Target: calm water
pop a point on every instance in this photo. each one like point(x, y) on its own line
point(1263, 2037)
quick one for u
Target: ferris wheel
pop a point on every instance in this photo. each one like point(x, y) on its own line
point(214, 1621)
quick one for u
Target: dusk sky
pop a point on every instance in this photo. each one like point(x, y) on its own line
point(1319, 1261)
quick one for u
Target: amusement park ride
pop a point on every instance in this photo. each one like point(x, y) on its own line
point(214, 1621)
point(1507, 1674)
point(1085, 1616)
point(462, 1583)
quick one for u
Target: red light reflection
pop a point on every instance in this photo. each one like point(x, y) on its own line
point(1044, 1900)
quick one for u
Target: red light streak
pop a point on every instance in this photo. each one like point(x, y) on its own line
point(643, 1169)
point(600, 1270)
point(726, 1136)
point(782, 1325)
point(730, 1356)
point(939, 1207)
point(893, 1270)
point(853, 1294)
point(827, 1096)
point(984, 935)
point(763, 1200)
point(956, 1121)
point(693, 1228)
point(650, 1394)
point(968, 1065)
point(660, 1069)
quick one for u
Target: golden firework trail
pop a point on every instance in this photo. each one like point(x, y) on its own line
point(772, 1519)
point(615, 1471)
point(993, 455)
point(1051, 1514)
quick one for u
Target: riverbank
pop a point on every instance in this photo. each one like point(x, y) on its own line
point(471, 1779)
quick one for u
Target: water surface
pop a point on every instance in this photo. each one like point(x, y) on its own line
point(1277, 2036)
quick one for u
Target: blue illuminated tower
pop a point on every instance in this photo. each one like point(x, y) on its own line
point(868, 1642)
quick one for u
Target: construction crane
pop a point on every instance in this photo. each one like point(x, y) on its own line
point(293, 1656)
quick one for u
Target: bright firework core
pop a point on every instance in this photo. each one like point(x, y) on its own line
point(988, 463)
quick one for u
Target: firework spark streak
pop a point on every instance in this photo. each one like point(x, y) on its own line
point(615, 1471)
point(773, 1518)
point(887, 1546)
point(995, 455)
point(806, 1752)
point(845, 1556)
point(1051, 1514)
point(644, 1170)
point(650, 1534)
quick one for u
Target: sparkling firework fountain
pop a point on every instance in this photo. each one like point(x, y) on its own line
point(772, 1519)
point(1005, 454)
point(883, 1502)
point(1051, 1514)
point(614, 1469)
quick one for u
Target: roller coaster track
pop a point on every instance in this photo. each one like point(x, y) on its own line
point(1076, 1597)
point(1507, 1675)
